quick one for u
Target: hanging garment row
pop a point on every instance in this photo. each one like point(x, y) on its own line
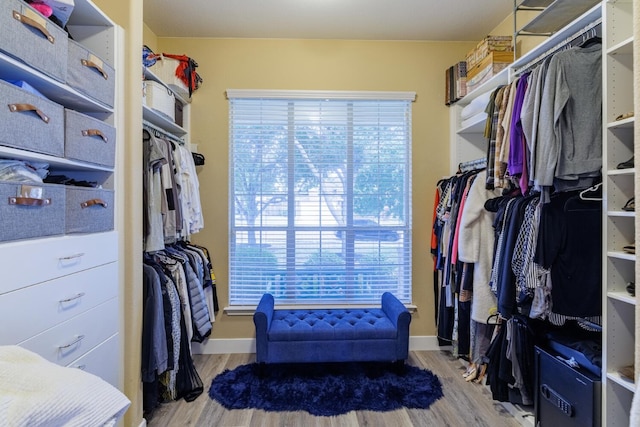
point(544, 130)
point(171, 194)
point(517, 246)
point(179, 303)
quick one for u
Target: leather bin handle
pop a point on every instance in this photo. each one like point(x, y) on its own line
point(92, 64)
point(93, 202)
point(18, 108)
point(29, 201)
point(95, 132)
point(32, 23)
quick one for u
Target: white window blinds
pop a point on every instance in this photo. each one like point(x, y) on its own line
point(320, 196)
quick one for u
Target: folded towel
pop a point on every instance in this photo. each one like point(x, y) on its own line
point(36, 392)
point(477, 105)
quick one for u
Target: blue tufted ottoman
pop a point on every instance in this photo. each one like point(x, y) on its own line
point(332, 335)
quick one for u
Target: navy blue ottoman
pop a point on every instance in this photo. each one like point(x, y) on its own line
point(332, 335)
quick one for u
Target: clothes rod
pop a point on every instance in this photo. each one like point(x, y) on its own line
point(154, 128)
point(566, 42)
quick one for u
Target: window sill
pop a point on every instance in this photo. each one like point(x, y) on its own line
point(248, 310)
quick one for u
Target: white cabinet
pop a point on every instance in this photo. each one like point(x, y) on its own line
point(619, 266)
point(59, 295)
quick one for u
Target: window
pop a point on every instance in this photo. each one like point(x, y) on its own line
point(320, 196)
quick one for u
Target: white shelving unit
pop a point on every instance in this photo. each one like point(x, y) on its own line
point(152, 116)
point(65, 305)
point(619, 267)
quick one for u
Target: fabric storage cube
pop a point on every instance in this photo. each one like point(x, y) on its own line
point(90, 75)
point(31, 122)
point(88, 139)
point(88, 210)
point(160, 98)
point(33, 39)
point(29, 210)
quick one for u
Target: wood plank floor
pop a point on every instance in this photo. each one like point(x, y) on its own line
point(464, 404)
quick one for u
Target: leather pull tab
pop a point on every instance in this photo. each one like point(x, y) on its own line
point(29, 201)
point(33, 23)
point(95, 132)
point(95, 66)
point(18, 108)
point(93, 202)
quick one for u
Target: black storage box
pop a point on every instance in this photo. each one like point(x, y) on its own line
point(565, 396)
point(178, 115)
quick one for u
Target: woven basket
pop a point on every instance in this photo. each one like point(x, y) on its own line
point(159, 98)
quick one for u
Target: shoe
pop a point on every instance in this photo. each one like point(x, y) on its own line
point(630, 249)
point(630, 206)
point(626, 165)
point(627, 372)
point(624, 116)
point(631, 288)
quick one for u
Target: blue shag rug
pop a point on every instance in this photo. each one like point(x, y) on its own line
point(326, 389)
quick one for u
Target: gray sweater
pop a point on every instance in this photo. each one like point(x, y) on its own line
point(570, 120)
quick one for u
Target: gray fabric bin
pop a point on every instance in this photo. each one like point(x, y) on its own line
point(29, 210)
point(33, 39)
point(89, 210)
point(89, 74)
point(30, 122)
point(88, 139)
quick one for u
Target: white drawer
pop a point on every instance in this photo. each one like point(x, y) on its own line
point(102, 361)
point(68, 341)
point(27, 262)
point(34, 309)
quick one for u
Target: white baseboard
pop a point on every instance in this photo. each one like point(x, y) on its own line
point(143, 423)
point(248, 345)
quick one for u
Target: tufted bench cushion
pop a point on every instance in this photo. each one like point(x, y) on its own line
point(332, 335)
point(299, 325)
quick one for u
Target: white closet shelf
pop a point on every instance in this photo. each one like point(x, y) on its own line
point(557, 15)
point(56, 162)
point(625, 47)
point(627, 123)
point(502, 78)
point(621, 255)
point(150, 75)
point(158, 119)
point(617, 379)
point(622, 296)
point(620, 172)
point(621, 214)
point(473, 128)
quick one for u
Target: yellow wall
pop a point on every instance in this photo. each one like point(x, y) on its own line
point(317, 65)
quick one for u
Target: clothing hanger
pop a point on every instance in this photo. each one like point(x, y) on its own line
point(588, 193)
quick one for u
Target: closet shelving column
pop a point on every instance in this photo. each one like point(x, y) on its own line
point(619, 225)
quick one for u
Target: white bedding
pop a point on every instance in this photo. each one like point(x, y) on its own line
point(36, 392)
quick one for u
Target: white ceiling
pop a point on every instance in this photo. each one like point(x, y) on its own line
point(451, 20)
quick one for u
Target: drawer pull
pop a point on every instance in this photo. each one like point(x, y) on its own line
point(74, 256)
point(95, 132)
point(75, 297)
point(93, 202)
point(33, 23)
point(29, 201)
point(18, 108)
point(92, 64)
point(72, 343)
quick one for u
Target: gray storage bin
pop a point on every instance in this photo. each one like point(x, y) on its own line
point(29, 210)
point(88, 139)
point(30, 122)
point(89, 210)
point(89, 74)
point(33, 39)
